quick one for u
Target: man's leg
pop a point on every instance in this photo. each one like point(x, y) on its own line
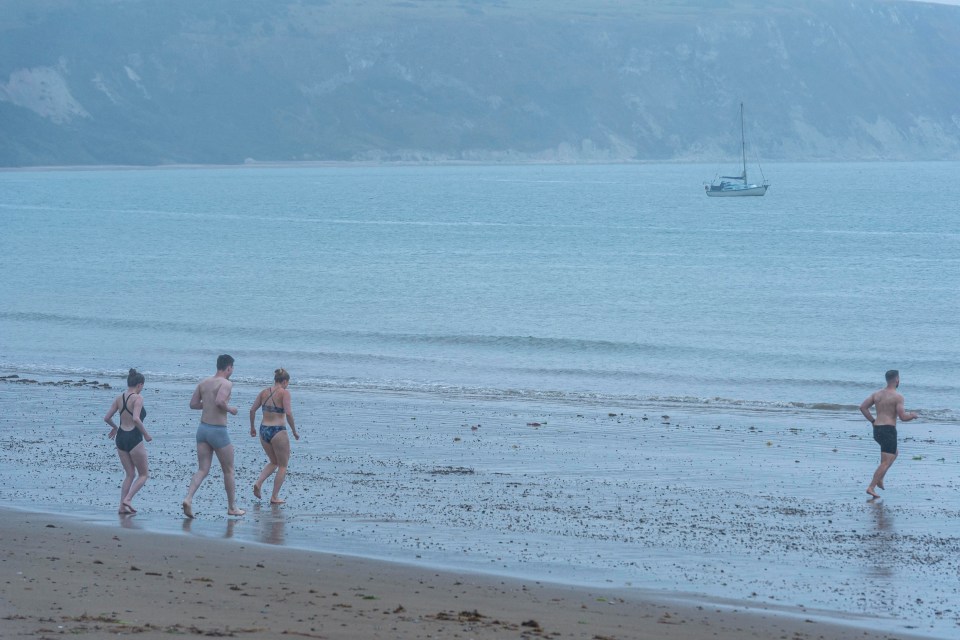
point(225, 456)
point(204, 459)
point(886, 460)
point(890, 459)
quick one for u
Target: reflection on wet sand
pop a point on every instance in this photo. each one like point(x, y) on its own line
point(127, 521)
point(883, 550)
point(231, 524)
point(272, 524)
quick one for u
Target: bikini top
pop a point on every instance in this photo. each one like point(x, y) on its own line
point(143, 412)
point(273, 408)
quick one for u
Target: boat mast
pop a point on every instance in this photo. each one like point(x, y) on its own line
point(743, 146)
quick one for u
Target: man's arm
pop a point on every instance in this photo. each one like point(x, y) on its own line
point(902, 414)
point(196, 402)
point(223, 397)
point(865, 408)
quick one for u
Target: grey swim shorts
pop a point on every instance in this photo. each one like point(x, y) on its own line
point(214, 435)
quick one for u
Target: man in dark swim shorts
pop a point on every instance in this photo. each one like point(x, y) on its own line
point(889, 404)
point(885, 435)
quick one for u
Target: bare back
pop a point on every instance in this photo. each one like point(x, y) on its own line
point(889, 405)
point(212, 396)
point(133, 404)
point(273, 400)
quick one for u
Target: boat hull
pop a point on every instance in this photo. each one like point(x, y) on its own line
point(734, 191)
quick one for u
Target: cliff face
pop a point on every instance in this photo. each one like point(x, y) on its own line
point(221, 81)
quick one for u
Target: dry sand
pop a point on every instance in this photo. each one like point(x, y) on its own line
point(65, 576)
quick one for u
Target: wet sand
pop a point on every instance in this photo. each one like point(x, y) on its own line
point(62, 576)
point(749, 511)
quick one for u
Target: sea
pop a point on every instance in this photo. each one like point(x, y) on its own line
point(562, 312)
point(599, 282)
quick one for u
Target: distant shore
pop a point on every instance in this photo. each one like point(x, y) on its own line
point(67, 576)
point(265, 164)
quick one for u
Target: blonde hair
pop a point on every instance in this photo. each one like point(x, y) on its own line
point(279, 375)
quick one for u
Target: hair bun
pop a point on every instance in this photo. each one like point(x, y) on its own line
point(134, 378)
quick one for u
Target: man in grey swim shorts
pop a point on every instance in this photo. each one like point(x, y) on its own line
point(212, 398)
point(889, 404)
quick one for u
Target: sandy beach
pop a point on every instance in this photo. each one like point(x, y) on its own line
point(64, 576)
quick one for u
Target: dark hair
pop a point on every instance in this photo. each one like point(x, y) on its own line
point(223, 362)
point(280, 375)
point(134, 378)
point(892, 375)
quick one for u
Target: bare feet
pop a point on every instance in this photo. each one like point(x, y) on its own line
point(256, 491)
point(277, 501)
point(235, 512)
point(880, 485)
point(128, 507)
point(187, 509)
point(872, 492)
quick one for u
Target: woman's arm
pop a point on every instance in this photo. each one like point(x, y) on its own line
point(137, 405)
point(288, 408)
point(253, 413)
point(109, 417)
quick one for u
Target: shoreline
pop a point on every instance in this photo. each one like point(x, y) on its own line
point(70, 576)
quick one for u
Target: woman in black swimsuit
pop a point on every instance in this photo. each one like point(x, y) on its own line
point(275, 402)
point(129, 438)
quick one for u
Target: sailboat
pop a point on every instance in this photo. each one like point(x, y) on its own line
point(742, 186)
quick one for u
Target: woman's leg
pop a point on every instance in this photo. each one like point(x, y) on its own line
point(281, 451)
point(139, 458)
point(270, 467)
point(128, 470)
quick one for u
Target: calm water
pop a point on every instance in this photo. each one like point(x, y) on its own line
point(608, 282)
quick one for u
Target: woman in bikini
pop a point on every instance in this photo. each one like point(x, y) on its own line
point(275, 402)
point(129, 438)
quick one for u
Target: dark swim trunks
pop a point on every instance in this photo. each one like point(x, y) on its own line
point(886, 437)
